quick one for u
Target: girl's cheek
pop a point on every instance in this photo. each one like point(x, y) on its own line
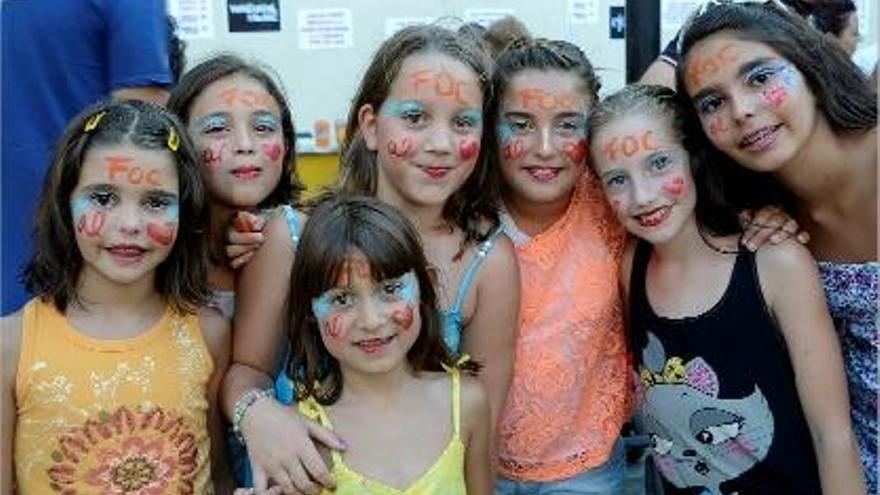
point(716, 127)
point(403, 317)
point(399, 149)
point(163, 233)
point(272, 152)
point(513, 149)
point(213, 154)
point(468, 148)
point(675, 185)
point(334, 327)
point(91, 223)
point(575, 150)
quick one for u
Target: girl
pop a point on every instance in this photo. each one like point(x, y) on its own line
point(413, 140)
point(112, 371)
point(742, 387)
point(240, 122)
point(367, 337)
point(798, 115)
point(568, 398)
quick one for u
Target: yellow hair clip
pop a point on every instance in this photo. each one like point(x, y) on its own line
point(173, 139)
point(93, 121)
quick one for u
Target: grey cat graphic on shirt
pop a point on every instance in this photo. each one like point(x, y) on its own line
point(699, 440)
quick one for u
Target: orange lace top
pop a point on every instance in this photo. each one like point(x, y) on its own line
point(569, 395)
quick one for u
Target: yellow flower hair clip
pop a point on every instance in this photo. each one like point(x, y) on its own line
point(93, 121)
point(173, 139)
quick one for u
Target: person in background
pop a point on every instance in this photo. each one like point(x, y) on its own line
point(60, 56)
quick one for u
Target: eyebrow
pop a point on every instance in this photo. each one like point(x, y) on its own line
point(224, 116)
point(743, 70)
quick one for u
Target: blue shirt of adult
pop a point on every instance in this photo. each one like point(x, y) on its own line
point(59, 56)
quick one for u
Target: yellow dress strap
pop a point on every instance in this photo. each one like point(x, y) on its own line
point(310, 408)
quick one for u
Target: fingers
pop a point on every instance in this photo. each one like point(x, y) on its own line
point(241, 260)
point(301, 480)
point(324, 435)
point(260, 481)
point(803, 237)
point(244, 239)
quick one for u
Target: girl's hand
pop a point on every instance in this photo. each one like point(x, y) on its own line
point(281, 446)
point(769, 224)
point(243, 238)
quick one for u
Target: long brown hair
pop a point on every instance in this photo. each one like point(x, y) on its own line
point(55, 267)
point(338, 225)
point(195, 80)
point(478, 198)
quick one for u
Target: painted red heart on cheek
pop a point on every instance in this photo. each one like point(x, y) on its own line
point(674, 186)
point(468, 149)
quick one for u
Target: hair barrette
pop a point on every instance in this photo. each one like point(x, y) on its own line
point(173, 139)
point(93, 121)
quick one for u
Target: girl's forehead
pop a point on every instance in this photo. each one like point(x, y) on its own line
point(547, 90)
point(129, 165)
point(432, 74)
point(234, 92)
point(636, 130)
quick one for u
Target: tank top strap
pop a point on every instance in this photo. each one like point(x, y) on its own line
point(310, 408)
point(471, 270)
point(455, 374)
point(292, 223)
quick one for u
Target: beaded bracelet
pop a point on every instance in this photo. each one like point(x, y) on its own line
point(242, 404)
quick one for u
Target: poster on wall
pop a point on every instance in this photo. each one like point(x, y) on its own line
point(325, 29)
point(583, 11)
point(616, 23)
point(253, 15)
point(195, 18)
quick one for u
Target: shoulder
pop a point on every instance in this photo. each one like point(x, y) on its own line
point(216, 330)
point(279, 227)
point(501, 258)
point(11, 328)
point(474, 403)
point(783, 267)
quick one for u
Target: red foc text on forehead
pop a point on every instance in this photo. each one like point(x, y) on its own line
point(710, 64)
point(400, 149)
point(120, 166)
point(247, 98)
point(442, 83)
point(536, 98)
point(468, 148)
point(628, 145)
point(91, 223)
point(162, 233)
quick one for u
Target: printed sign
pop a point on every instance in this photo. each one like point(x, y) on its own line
point(254, 15)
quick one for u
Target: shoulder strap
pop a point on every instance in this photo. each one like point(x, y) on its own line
point(292, 223)
point(310, 408)
point(476, 261)
point(456, 400)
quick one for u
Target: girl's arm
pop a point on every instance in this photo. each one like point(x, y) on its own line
point(790, 282)
point(218, 338)
point(476, 431)
point(489, 335)
point(10, 326)
point(278, 439)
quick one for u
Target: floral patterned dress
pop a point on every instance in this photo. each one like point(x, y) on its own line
point(851, 291)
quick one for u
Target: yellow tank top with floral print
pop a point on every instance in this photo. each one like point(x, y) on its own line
point(444, 477)
point(111, 416)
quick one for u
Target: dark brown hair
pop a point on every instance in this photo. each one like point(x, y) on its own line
point(715, 211)
point(215, 68)
point(55, 267)
point(338, 225)
point(839, 87)
point(831, 16)
point(478, 198)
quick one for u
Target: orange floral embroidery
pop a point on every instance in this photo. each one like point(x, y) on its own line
point(133, 453)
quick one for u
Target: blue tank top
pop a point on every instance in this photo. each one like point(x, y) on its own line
point(452, 316)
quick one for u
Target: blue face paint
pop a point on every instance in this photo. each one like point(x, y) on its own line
point(474, 116)
point(213, 121)
point(409, 285)
point(172, 212)
point(322, 305)
point(398, 108)
point(80, 204)
point(504, 129)
point(266, 119)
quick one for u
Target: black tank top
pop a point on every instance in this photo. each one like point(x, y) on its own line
point(718, 395)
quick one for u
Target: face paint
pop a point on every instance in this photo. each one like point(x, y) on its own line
point(442, 83)
point(403, 318)
point(91, 223)
point(576, 151)
point(674, 185)
point(717, 126)
point(399, 150)
point(333, 327)
point(709, 65)
point(472, 115)
point(212, 156)
point(504, 129)
point(513, 149)
point(133, 174)
point(468, 148)
point(272, 151)
point(399, 108)
point(628, 145)
point(539, 98)
point(162, 234)
point(211, 123)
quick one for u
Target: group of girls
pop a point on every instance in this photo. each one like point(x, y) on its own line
point(450, 320)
